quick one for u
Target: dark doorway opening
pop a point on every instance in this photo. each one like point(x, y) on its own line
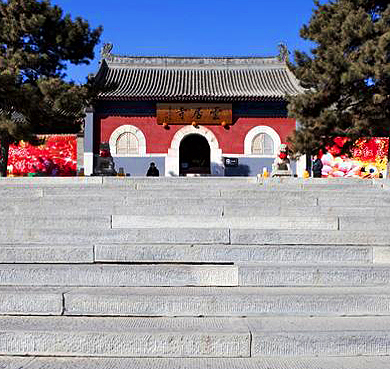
point(194, 155)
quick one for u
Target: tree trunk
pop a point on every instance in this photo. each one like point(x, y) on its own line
point(4, 146)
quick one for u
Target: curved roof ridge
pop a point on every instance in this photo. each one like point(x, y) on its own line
point(188, 62)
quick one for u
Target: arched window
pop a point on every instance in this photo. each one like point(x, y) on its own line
point(262, 141)
point(262, 144)
point(127, 140)
point(127, 144)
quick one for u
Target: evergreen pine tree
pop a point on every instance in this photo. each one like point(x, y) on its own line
point(347, 77)
point(36, 42)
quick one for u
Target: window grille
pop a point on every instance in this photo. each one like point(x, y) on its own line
point(127, 144)
point(263, 144)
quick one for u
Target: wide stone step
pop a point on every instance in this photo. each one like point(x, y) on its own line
point(117, 275)
point(40, 253)
point(168, 253)
point(196, 363)
point(298, 198)
point(195, 337)
point(289, 336)
point(379, 223)
point(191, 253)
point(100, 222)
point(193, 235)
point(229, 301)
point(195, 181)
point(352, 216)
point(88, 209)
point(237, 210)
point(160, 275)
point(64, 222)
point(43, 208)
point(323, 198)
point(88, 206)
point(298, 186)
point(31, 301)
point(341, 211)
point(148, 182)
point(180, 181)
point(195, 301)
point(327, 186)
point(325, 193)
point(169, 195)
point(281, 275)
point(134, 235)
point(129, 182)
point(253, 236)
point(124, 337)
point(130, 192)
point(132, 185)
point(380, 200)
point(11, 193)
point(28, 204)
point(304, 223)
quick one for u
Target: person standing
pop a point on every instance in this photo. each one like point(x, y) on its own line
point(153, 171)
point(317, 167)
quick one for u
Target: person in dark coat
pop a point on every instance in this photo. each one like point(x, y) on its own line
point(152, 171)
point(317, 167)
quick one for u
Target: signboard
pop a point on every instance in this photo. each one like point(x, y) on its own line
point(231, 162)
point(209, 114)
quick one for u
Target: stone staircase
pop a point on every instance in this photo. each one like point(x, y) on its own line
point(186, 273)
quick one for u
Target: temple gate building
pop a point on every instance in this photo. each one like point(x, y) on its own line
point(220, 116)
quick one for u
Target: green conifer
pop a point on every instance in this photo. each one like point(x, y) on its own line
point(36, 42)
point(347, 77)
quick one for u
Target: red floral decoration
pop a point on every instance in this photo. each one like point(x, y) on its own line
point(56, 157)
point(368, 158)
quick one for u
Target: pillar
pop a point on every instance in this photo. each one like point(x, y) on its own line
point(88, 141)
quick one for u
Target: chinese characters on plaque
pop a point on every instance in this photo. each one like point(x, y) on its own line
point(211, 114)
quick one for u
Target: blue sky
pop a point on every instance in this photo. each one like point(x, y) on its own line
point(192, 28)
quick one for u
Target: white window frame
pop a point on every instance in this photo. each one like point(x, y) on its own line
point(255, 131)
point(128, 129)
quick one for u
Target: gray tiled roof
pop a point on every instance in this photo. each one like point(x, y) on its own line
point(175, 78)
point(15, 116)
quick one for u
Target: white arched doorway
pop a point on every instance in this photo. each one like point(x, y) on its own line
point(172, 162)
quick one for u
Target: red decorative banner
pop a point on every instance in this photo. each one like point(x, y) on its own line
point(56, 157)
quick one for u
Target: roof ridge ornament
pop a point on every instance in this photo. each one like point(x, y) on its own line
point(283, 52)
point(105, 51)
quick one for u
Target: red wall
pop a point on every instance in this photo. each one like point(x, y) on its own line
point(158, 139)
